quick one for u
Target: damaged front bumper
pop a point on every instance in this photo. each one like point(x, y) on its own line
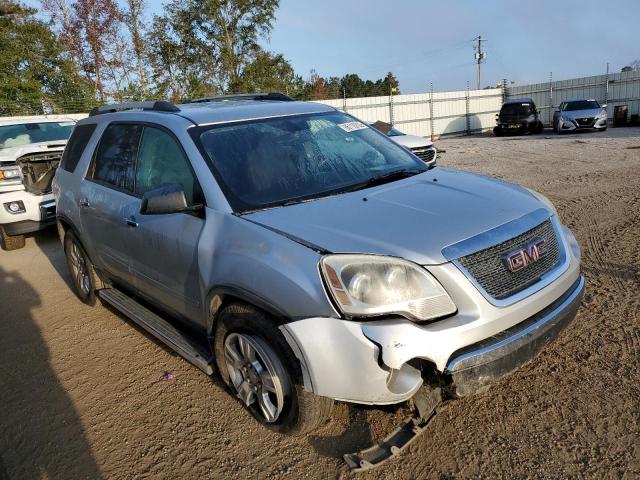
point(380, 362)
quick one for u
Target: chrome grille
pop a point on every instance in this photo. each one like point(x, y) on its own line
point(425, 154)
point(489, 269)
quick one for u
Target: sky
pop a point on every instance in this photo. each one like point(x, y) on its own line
point(423, 41)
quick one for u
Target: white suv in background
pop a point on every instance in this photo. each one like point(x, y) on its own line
point(421, 147)
point(30, 151)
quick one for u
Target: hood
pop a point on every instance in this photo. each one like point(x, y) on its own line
point(412, 141)
point(414, 218)
point(573, 114)
point(12, 153)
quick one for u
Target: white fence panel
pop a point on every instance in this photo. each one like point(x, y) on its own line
point(447, 113)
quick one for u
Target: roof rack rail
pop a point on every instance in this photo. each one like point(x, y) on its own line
point(244, 96)
point(156, 106)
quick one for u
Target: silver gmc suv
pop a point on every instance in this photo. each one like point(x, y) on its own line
point(308, 258)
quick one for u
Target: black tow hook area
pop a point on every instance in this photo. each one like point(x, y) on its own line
point(425, 402)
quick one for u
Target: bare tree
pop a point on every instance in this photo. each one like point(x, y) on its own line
point(135, 24)
point(96, 25)
point(61, 13)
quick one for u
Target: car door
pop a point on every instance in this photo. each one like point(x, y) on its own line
point(106, 197)
point(164, 248)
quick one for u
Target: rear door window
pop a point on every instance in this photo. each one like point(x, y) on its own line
point(77, 143)
point(114, 162)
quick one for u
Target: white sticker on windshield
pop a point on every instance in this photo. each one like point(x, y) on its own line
point(352, 126)
point(66, 124)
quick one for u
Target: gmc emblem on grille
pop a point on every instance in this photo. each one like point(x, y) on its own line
point(519, 259)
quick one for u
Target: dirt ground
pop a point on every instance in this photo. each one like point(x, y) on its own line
point(82, 395)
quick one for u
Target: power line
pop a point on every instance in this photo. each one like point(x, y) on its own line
point(420, 57)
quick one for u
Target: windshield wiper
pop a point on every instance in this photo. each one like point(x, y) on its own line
point(378, 180)
point(387, 178)
point(391, 176)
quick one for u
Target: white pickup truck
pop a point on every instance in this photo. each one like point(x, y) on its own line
point(30, 152)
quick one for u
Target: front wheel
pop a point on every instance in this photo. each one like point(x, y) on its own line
point(81, 269)
point(11, 242)
point(260, 369)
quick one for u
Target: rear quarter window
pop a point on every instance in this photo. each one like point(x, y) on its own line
point(76, 145)
point(114, 161)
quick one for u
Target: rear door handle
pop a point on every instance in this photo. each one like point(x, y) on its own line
point(131, 222)
point(84, 203)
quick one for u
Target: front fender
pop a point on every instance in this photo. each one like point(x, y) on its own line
point(260, 266)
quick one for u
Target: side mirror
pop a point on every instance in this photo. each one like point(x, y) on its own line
point(166, 199)
point(604, 106)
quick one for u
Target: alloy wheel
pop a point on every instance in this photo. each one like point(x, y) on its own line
point(80, 271)
point(257, 374)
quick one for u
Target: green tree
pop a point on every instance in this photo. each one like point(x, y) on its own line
point(35, 74)
point(211, 46)
point(269, 72)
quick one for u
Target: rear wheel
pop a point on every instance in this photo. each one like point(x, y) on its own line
point(81, 269)
point(497, 131)
point(260, 369)
point(9, 242)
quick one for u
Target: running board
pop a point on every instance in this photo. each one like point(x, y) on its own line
point(159, 328)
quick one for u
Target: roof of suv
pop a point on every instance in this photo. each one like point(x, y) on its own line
point(207, 113)
point(214, 110)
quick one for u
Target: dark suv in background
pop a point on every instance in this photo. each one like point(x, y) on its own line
point(518, 115)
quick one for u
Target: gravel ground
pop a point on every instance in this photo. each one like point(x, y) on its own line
point(82, 393)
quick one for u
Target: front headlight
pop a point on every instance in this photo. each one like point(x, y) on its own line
point(370, 285)
point(10, 174)
point(602, 114)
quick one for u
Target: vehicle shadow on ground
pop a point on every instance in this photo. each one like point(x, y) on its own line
point(48, 241)
point(42, 435)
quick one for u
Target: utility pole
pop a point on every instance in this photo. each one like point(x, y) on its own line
point(479, 57)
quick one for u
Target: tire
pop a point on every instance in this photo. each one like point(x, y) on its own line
point(9, 242)
point(83, 275)
point(539, 128)
point(296, 411)
point(497, 131)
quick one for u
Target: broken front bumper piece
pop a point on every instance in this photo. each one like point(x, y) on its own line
point(425, 402)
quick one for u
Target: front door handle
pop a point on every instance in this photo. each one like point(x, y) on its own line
point(84, 203)
point(131, 222)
